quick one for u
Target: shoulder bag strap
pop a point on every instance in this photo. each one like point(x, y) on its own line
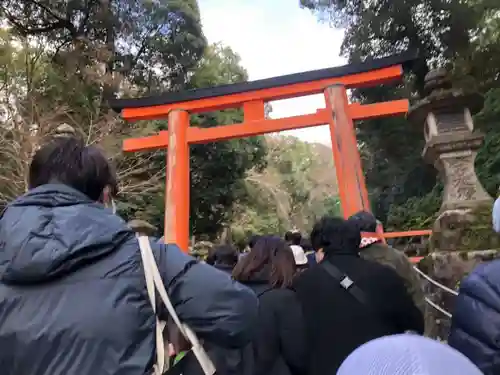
point(198, 350)
point(160, 365)
point(346, 282)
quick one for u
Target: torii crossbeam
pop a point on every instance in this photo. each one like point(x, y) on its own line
point(338, 113)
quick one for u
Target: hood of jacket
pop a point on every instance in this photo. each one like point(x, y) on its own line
point(52, 231)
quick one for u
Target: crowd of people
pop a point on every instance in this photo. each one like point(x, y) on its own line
point(74, 299)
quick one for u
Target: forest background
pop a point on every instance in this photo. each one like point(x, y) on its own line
point(60, 63)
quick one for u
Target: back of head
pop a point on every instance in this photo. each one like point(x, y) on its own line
point(225, 255)
point(296, 238)
point(253, 240)
point(270, 259)
point(364, 221)
point(333, 235)
point(67, 177)
point(289, 236)
point(406, 354)
point(68, 161)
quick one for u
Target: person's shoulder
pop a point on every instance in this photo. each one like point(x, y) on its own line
point(382, 271)
point(485, 274)
point(381, 250)
point(306, 275)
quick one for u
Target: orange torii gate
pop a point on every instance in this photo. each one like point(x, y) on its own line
point(339, 114)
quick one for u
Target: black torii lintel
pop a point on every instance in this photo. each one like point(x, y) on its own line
point(406, 59)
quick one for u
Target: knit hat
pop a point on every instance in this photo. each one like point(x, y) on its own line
point(407, 354)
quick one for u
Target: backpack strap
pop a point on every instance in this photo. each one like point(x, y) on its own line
point(346, 282)
point(152, 273)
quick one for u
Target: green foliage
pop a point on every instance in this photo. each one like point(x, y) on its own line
point(61, 61)
point(332, 206)
point(153, 44)
point(488, 159)
point(416, 213)
point(297, 187)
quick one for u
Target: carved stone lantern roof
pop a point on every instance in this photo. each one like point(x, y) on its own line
point(441, 97)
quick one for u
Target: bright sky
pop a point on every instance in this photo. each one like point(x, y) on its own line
point(273, 38)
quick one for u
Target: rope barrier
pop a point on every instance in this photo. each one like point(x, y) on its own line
point(445, 288)
point(438, 308)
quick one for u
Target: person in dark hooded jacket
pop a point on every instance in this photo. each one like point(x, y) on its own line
point(336, 321)
point(475, 325)
point(279, 346)
point(73, 297)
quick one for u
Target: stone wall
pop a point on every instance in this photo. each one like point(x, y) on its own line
point(466, 229)
point(448, 268)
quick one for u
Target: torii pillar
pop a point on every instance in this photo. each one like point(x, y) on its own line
point(351, 181)
point(178, 184)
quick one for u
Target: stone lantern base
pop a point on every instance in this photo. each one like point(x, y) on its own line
point(453, 155)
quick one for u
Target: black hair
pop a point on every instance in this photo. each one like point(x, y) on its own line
point(253, 240)
point(68, 161)
point(226, 255)
point(333, 234)
point(293, 237)
point(363, 221)
point(296, 238)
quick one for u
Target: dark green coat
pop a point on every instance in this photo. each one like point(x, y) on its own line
point(389, 256)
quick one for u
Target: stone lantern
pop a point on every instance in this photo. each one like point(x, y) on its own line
point(451, 144)
point(462, 235)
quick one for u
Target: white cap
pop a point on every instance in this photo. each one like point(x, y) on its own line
point(299, 255)
point(406, 354)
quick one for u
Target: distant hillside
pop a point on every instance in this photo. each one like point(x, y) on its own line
point(297, 187)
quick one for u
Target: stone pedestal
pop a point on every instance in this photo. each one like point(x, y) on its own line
point(447, 268)
point(453, 154)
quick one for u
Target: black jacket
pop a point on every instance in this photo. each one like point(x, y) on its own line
point(224, 268)
point(336, 323)
point(73, 298)
point(279, 346)
point(227, 361)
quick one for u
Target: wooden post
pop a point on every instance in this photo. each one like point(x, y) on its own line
point(178, 184)
point(351, 181)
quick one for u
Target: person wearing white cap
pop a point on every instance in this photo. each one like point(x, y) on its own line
point(294, 238)
point(406, 354)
